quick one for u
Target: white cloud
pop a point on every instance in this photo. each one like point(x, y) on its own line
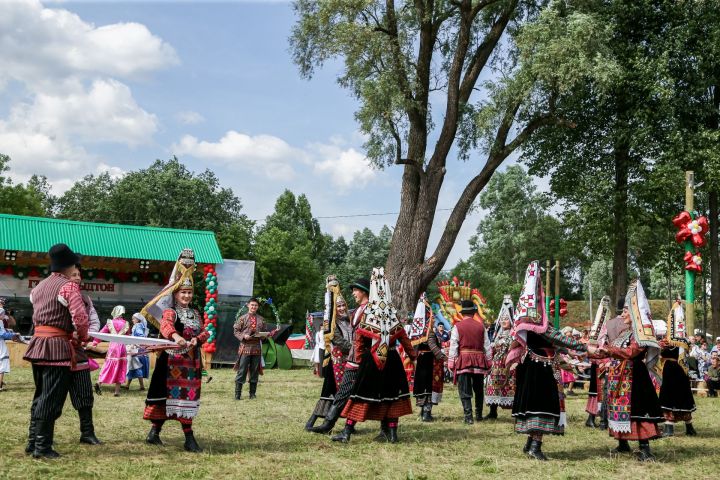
point(45, 46)
point(266, 153)
point(105, 112)
point(189, 117)
point(347, 168)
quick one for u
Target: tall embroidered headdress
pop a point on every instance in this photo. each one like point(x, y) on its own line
point(642, 324)
point(181, 277)
point(602, 315)
point(422, 323)
point(530, 314)
point(380, 321)
point(333, 296)
point(506, 312)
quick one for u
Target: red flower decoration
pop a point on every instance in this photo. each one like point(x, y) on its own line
point(689, 229)
point(693, 261)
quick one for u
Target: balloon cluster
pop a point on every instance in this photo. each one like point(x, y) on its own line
point(211, 295)
point(693, 230)
point(563, 307)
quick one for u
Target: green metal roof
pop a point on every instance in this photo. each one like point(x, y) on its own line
point(36, 234)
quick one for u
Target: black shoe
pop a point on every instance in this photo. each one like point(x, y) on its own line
point(689, 430)
point(44, 433)
point(623, 447)
point(669, 430)
point(603, 424)
point(645, 455)
point(526, 448)
point(330, 419)
point(590, 422)
point(478, 409)
point(535, 450)
point(392, 435)
point(30, 447)
point(467, 410)
point(311, 422)
point(343, 436)
point(191, 444)
point(384, 434)
point(253, 390)
point(426, 415)
point(238, 390)
point(493, 413)
point(153, 437)
point(98, 390)
point(87, 429)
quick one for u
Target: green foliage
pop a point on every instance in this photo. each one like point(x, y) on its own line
point(19, 199)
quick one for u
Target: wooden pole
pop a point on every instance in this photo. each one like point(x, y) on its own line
point(547, 286)
point(689, 275)
point(557, 293)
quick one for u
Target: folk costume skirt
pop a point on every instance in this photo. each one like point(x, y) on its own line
point(174, 392)
point(379, 394)
point(591, 406)
point(676, 398)
point(500, 384)
point(538, 405)
point(329, 389)
point(429, 376)
point(633, 406)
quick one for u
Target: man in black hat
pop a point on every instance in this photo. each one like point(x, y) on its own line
point(469, 359)
point(360, 292)
point(609, 332)
point(59, 319)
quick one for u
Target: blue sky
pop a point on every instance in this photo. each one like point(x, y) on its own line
point(111, 86)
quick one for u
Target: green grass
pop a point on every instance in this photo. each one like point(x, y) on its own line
point(264, 438)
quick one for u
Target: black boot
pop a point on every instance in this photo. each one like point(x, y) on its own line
point(669, 430)
point(384, 434)
point(44, 433)
point(590, 422)
point(329, 422)
point(238, 390)
point(311, 422)
point(467, 410)
point(191, 444)
point(535, 450)
point(603, 423)
point(343, 436)
point(623, 447)
point(478, 409)
point(493, 413)
point(427, 413)
point(153, 437)
point(689, 430)
point(392, 435)
point(253, 389)
point(526, 448)
point(87, 429)
point(645, 455)
point(30, 448)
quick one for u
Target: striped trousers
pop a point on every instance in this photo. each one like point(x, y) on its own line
point(51, 390)
point(343, 393)
point(81, 390)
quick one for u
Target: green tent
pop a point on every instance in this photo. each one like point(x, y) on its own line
point(269, 352)
point(284, 357)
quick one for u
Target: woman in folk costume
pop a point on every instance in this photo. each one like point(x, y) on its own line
point(567, 377)
point(633, 405)
point(597, 366)
point(138, 363)
point(115, 366)
point(337, 340)
point(4, 352)
point(380, 391)
point(174, 392)
point(430, 368)
point(500, 385)
point(676, 398)
point(539, 403)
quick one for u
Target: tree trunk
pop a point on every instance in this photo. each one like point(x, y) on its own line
point(620, 230)
point(714, 254)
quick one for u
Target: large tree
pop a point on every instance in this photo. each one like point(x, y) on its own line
point(402, 59)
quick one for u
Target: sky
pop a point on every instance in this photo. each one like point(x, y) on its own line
point(89, 87)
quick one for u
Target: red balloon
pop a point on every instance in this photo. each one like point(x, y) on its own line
point(682, 219)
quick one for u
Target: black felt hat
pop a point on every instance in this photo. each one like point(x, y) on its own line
point(467, 307)
point(361, 284)
point(61, 257)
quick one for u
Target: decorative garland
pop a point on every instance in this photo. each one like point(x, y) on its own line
point(88, 274)
point(692, 230)
point(261, 301)
point(211, 295)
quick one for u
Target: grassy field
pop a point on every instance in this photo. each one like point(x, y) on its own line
point(264, 438)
